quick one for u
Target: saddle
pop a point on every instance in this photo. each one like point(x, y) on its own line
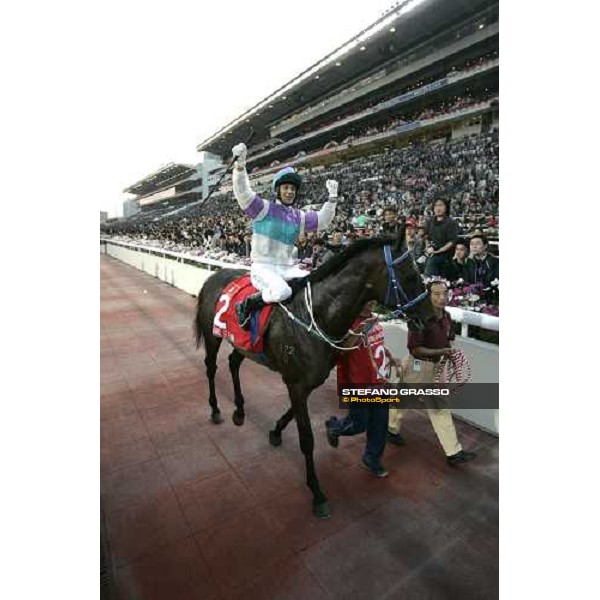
point(226, 323)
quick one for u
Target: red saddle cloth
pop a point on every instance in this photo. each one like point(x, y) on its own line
point(225, 323)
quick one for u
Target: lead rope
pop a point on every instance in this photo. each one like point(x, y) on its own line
point(316, 331)
point(313, 323)
point(455, 369)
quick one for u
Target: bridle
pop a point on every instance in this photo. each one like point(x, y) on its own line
point(393, 285)
point(403, 302)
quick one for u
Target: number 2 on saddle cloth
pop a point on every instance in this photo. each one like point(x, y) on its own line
point(225, 322)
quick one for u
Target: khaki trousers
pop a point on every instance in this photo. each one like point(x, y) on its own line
point(441, 419)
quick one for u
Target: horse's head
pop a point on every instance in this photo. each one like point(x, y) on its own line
point(399, 286)
point(369, 269)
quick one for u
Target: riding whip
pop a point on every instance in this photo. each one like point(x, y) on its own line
point(227, 169)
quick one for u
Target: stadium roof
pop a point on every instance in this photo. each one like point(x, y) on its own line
point(408, 23)
point(169, 173)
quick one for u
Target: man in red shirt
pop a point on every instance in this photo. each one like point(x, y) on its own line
point(367, 364)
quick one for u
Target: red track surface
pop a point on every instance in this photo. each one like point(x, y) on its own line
point(199, 511)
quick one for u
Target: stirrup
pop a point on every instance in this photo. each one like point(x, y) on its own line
point(243, 314)
point(245, 309)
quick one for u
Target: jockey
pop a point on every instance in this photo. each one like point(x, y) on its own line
point(275, 229)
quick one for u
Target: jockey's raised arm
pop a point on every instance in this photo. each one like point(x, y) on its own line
point(250, 202)
point(257, 207)
point(322, 219)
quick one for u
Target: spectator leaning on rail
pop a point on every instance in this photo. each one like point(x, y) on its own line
point(304, 248)
point(442, 232)
point(275, 228)
point(481, 267)
point(334, 247)
point(458, 263)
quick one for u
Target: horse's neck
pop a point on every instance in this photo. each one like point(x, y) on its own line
point(339, 299)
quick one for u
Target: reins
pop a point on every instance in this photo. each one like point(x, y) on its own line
point(393, 285)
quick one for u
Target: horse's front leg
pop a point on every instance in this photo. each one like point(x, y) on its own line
point(299, 398)
point(275, 434)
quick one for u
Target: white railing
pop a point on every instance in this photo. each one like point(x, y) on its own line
point(179, 256)
point(470, 317)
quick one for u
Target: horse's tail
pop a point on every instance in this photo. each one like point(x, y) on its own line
point(197, 321)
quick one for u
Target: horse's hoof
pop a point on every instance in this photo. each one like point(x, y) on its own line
point(274, 439)
point(216, 418)
point(237, 418)
point(322, 511)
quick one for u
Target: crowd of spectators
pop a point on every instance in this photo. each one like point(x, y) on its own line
point(467, 66)
point(445, 106)
point(379, 193)
point(440, 108)
point(464, 170)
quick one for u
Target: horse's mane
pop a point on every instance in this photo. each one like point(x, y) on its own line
point(335, 263)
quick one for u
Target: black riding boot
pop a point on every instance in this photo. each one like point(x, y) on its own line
point(245, 309)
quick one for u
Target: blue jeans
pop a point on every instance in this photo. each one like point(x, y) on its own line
point(437, 266)
point(373, 420)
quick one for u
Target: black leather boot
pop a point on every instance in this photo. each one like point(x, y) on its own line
point(244, 309)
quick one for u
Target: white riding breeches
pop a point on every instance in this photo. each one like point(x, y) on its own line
point(271, 280)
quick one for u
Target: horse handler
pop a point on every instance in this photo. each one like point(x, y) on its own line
point(426, 350)
point(367, 364)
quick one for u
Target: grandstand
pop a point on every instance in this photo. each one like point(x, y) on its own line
point(171, 185)
point(404, 111)
point(426, 68)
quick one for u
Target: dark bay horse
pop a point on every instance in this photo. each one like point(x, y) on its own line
point(330, 299)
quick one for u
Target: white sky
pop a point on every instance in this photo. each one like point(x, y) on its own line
point(176, 72)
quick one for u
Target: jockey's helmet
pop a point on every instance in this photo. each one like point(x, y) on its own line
point(286, 175)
